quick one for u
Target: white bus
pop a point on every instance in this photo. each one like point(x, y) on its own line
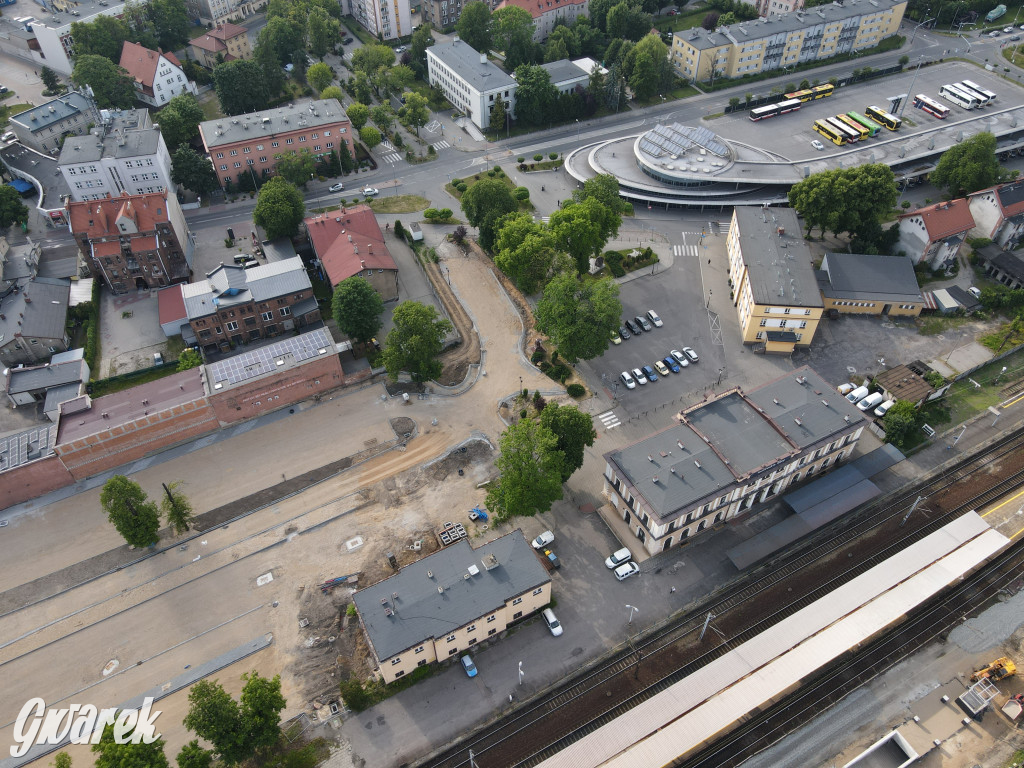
point(961, 98)
point(987, 96)
point(843, 129)
point(931, 106)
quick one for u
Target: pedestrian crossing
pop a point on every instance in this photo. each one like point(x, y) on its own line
point(684, 250)
point(441, 145)
point(387, 145)
point(609, 419)
point(391, 157)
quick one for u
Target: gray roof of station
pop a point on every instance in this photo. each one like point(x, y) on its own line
point(230, 285)
point(861, 276)
point(421, 612)
point(465, 61)
point(57, 395)
point(288, 117)
point(563, 70)
point(779, 266)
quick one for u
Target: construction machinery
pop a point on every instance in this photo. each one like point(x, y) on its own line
point(997, 670)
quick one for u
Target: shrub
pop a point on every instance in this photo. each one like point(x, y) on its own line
point(553, 155)
point(355, 696)
point(444, 213)
point(563, 373)
point(521, 193)
point(544, 366)
point(399, 229)
point(430, 213)
point(537, 356)
point(522, 166)
point(491, 173)
point(522, 414)
point(351, 610)
point(538, 157)
point(576, 390)
point(520, 160)
point(554, 356)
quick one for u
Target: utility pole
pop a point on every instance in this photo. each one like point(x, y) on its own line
point(911, 510)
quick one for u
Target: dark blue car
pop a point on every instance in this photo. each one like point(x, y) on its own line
point(671, 364)
point(650, 374)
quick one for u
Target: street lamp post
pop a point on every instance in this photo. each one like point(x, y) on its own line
point(521, 673)
point(903, 106)
point(577, 130)
point(632, 609)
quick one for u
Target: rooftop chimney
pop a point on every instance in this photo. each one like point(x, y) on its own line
point(483, 58)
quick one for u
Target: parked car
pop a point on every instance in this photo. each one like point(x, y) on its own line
point(671, 364)
point(883, 409)
point(632, 328)
point(847, 388)
point(994, 33)
point(9, 137)
point(682, 359)
point(370, 191)
point(158, 358)
point(626, 570)
point(975, 292)
point(643, 322)
point(1007, 30)
point(401, 49)
point(871, 401)
point(628, 380)
point(614, 336)
point(639, 376)
point(468, 665)
point(650, 373)
point(543, 540)
point(552, 558)
point(817, 145)
point(336, 187)
point(661, 368)
point(617, 558)
point(348, 40)
point(690, 354)
point(857, 395)
point(623, 333)
point(653, 317)
point(551, 621)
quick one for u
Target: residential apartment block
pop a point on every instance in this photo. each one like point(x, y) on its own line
point(388, 19)
point(229, 41)
point(546, 13)
point(46, 38)
point(784, 41)
point(251, 143)
point(998, 213)
point(158, 76)
point(133, 242)
point(469, 80)
point(727, 454)
point(348, 242)
point(774, 288)
point(42, 127)
point(234, 305)
point(776, 7)
point(447, 602)
point(869, 284)
point(216, 12)
point(934, 235)
point(125, 153)
point(442, 14)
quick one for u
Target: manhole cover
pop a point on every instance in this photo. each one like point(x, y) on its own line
point(850, 369)
point(353, 544)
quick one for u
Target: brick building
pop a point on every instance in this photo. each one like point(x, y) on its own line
point(234, 305)
point(349, 242)
point(158, 76)
point(229, 41)
point(133, 241)
point(252, 143)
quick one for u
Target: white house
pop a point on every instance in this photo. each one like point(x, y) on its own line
point(124, 153)
point(158, 76)
point(470, 81)
point(999, 213)
point(933, 235)
point(566, 75)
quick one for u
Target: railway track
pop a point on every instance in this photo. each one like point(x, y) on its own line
point(669, 653)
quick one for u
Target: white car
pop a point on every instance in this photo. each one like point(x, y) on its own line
point(370, 191)
point(336, 187)
point(690, 354)
point(858, 394)
point(627, 380)
point(975, 292)
point(1007, 30)
point(618, 558)
point(883, 409)
point(543, 540)
point(680, 358)
point(626, 570)
point(639, 376)
point(871, 402)
point(654, 318)
point(817, 145)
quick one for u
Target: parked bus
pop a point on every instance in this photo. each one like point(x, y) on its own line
point(821, 91)
point(961, 98)
point(842, 128)
point(772, 110)
point(804, 95)
point(830, 133)
point(931, 106)
point(878, 114)
point(872, 127)
point(862, 132)
point(988, 96)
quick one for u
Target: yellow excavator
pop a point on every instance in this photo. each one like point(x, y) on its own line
point(997, 670)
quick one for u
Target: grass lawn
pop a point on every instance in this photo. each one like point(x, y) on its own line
point(682, 21)
point(1005, 338)
point(935, 324)
point(399, 204)
point(364, 37)
point(8, 110)
point(210, 105)
point(118, 383)
point(964, 400)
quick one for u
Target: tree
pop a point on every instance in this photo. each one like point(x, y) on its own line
point(104, 37)
point(362, 90)
point(114, 755)
point(62, 760)
point(382, 116)
point(710, 20)
point(846, 199)
point(474, 26)
point(578, 315)
point(170, 19)
point(574, 431)
point(12, 210)
point(237, 730)
point(899, 421)
point(296, 167)
point(345, 158)
point(188, 359)
point(486, 202)
point(270, 66)
point(357, 308)
point(535, 95)
point(421, 40)
point(193, 171)
point(280, 208)
point(194, 756)
point(415, 341)
point(370, 136)
point(321, 31)
point(580, 230)
point(358, 114)
point(130, 511)
point(52, 82)
point(555, 49)
point(512, 32)
point(524, 250)
point(262, 703)
point(320, 75)
point(113, 87)
point(333, 92)
point(286, 37)
point(499, 115)
point(398, 79)
point(969, 166)
point(605, 189)
point(240, 86)
point(416, 112)
point(179, 120)
point(374, 61)
point(628, 21)
point(177, 508)
point(530, 472)
point(650, 70)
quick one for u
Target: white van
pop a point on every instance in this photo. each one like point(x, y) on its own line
point(871, 401)
point(551, 621)
point(858, 394)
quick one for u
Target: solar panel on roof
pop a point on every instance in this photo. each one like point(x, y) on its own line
point(678, 139)
point(263, 360)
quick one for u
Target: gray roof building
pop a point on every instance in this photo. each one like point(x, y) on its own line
point(24, 162)
point(862, 276)
point(32, 321)
point(230, 285)
point(566, 75)
point(27, 385)
point(297, 116)
point(447, 590)
point(18, 263)
point(41, 127)
point(470, 81)
point(777, 258)
point(473, 67)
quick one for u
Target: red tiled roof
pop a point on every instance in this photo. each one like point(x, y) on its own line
point(171, 305)
point(144, 243)
point(98, 218)
point(537, 8)
point(141, 63)
point(213, 40)
point(944, 220)
point(107, 248)
point(330, 235)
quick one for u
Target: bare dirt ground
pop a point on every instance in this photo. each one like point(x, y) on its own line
point(458, 359)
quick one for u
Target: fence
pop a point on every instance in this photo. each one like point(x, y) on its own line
point(761, 101)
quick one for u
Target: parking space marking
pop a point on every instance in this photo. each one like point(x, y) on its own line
point(432, 126)
point(609, 419)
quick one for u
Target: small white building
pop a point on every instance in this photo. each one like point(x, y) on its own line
point(566, 75)
point(124, 153)
point(999, 213)
point(42, 127)
point(47, 37)
point(470, 81)
point(158, 76)
point(934, 234)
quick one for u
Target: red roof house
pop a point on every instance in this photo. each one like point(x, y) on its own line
point(158, 76)
point(349, 242)
point(934, 234)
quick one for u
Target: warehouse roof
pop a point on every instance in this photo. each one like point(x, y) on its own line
point(861, 276)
